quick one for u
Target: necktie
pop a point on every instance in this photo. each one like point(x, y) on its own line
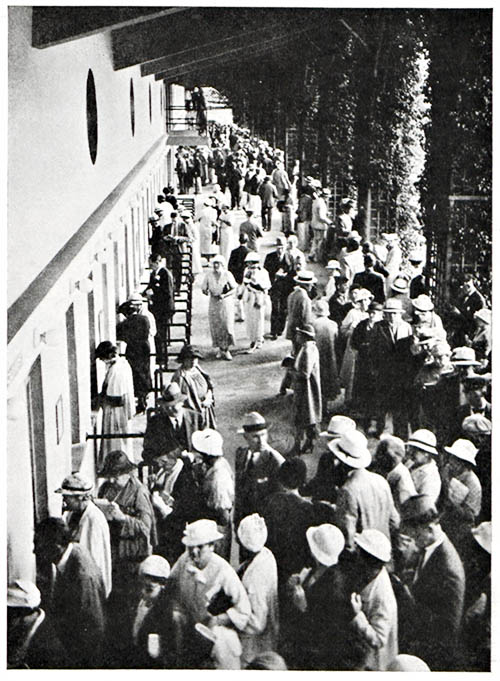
point(419, 566)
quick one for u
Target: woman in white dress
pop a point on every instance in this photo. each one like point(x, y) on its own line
point(220, 285)
point(226, 233)
point(256, 284)
point(193, 235)
point(116, 400)
point(208, 224)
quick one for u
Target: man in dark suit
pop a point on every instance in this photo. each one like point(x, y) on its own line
point(160, 292)
point(236, 266)
point(172, 423)
point(436, 596)
point(78, 593)
point(276, 264)
point(471, 302)
point(387, 369)
point(371, 280)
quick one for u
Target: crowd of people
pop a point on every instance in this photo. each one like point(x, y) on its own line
point(380, 560)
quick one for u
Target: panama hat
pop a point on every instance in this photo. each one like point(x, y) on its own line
point(482, 534)
point(417, 505)
point(23, 594)
point(464, 356)
point(476, 423)
point(321, 308)
point(333, 265)
point(400, 284)
point(393, 305)
point(172, 394)
point(338, 425)
point(308, 331)
point(423, 303)
point(136, 298)
point(116, 463)
point(155, 566)
point(253, 422)
point(352, 449)
point(305, 277)
point(326, 543)
point(375, 543)
point(415, 256)
point(252, 532)
point(208, 441)
point(252, 257)
point(74, 485)
point(463, 449)
point(425, 440)
point(361, 294)
point(201, 532)
point(483, 315)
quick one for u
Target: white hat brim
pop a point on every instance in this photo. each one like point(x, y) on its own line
point(369, 549)
point(206, 540)
point(424, 447)
point(321, 556)
point(460, 456)
point(362, 462)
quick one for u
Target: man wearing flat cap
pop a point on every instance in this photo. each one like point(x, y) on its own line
point(87, 523)
point(256, 467)
point(437, 592)
point(205, 590)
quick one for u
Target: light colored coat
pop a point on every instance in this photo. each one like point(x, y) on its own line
point(299, 311)
point(261, 583)
point(326, 338)
point(118, 383)
point(377, 623)
point(401, 484)
point(93, 534)
point(427, 480)
point(307, 386)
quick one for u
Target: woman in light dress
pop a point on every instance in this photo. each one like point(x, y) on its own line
point(220, 285)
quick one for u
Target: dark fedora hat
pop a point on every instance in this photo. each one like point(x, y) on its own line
point(188, 351)
point(116, 463)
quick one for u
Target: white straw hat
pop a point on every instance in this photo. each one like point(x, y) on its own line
point(155, 566)
point(423, 303)
point(201, 532)
point(375, 543)
point(463, 449)
point(339, 425)
point(352, 449)
point(252, 532)
point(208, 441)
point(425, 440)
point(326, 543)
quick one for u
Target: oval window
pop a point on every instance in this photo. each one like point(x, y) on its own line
point(91, 117)
point(132, 107)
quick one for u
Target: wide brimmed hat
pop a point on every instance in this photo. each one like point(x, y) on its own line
point(74, 485)
point(415, 256)
point(352, 449)
point(393, 305)
point(482, 534)
point(361, 294)
point(326, 543)
point(172, 394)
point(308, 331)
point(423, 303)
point(252, 532)
point(424, 439)
point(375, 543)
point(484, 315)
point(116, 463)
point(208, 441)
point(188, 351)
point(464, 356)
point(155, 566)
point(463, 449)
point(477, 423)
point(338, 425)
point(201, 532)
point(23, 594)
point(417, 505)
point(333, 265)
point(305, 277)
point(253, 422)
point(252, 257)
point(400, 284)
